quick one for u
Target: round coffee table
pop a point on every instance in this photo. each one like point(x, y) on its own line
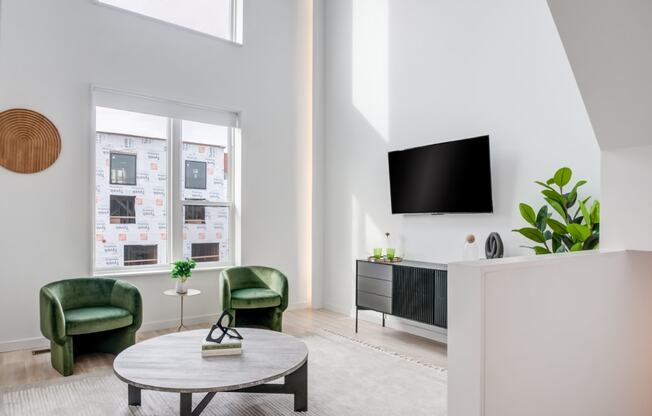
point(173, 363)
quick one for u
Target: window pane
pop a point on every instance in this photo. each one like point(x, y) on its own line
point(213, 17)
point(131, 192)
point(205, 161)
point(206, 239)
point(123, 169)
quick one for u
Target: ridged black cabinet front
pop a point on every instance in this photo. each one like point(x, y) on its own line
point(420, 295)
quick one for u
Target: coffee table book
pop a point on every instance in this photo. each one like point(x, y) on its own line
point(226, 347)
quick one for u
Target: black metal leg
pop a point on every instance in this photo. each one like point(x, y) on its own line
point(185, 408)
point(383, 320)
point(356, 320)
point(297, 383)
point(133, 394)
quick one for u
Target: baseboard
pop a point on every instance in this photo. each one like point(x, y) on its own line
point(24, 344)
point(299, 305)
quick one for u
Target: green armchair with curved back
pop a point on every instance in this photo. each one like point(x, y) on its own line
point(88, 315)
point(256, 296)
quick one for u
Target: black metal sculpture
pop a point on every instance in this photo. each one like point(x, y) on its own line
point(226, 331)
point(493, 247)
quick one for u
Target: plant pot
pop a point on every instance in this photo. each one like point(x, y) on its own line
point(180, 286)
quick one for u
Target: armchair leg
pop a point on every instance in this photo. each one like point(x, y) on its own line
point(61, 357)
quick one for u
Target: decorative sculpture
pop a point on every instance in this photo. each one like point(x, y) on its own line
point(226, 331)
point(29, 142)
point(493, 247)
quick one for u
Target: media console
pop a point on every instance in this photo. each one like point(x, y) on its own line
point(409, 289)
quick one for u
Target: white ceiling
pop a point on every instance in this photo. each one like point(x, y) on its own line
point(609, 46)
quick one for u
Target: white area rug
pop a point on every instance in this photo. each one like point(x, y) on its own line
point(346, 377)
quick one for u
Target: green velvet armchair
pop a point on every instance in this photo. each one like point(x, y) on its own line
point(88, 315)
point(256, 296)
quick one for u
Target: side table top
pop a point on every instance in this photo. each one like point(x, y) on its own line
point(191, 292)
point(173, 362)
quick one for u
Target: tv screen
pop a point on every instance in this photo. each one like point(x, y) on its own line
point(451, 177)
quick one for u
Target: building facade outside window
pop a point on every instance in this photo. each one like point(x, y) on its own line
point(139, 204)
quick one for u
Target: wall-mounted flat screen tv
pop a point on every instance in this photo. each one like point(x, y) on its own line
point(443, 178)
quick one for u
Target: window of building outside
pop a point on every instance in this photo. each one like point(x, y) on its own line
point(219, 18)
point(133, 152)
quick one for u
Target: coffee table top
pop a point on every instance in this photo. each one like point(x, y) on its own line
point(173, 362)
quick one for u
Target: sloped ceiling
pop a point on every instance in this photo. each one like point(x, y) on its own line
point(609, 46)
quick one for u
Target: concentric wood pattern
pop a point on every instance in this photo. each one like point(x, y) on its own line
point(29, 142)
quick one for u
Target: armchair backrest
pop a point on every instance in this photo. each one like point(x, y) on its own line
point(82, 292)
point(246, 277)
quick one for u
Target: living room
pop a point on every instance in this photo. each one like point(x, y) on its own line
point(198, 193)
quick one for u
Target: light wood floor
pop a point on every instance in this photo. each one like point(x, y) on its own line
point(22, 367)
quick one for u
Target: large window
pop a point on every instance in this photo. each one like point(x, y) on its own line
point(220, 18)
point(160, 175)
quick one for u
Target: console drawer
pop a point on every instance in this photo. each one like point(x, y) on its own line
point(376, 302)
point(375, 286)
point(378, 271)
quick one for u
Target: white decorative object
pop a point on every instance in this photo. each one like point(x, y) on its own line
point(180, 286)
point(470, 252)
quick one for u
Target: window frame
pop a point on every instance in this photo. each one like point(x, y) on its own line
point(236, 29)
point(174, 200)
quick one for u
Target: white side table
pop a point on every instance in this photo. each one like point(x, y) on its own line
point(191, 292)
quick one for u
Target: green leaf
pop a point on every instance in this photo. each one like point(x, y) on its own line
point(595, 212)
point(541, 218)
point(550, 181)
point(532, 233)
point(578, 184)
point(571, 198)
point(592, 242)
point(560, 210)
point(556, 243)
point(563, 176)
point(578, 232)
point(540, 250)
point(555, 196)
point(586, 214)
point(568, 242)
point(576, 247)
point(544, 185)
point(556, 226)
point(528, 213)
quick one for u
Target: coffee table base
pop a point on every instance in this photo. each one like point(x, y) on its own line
point(295, 383)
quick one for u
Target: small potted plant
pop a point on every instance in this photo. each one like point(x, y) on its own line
point(181, 271)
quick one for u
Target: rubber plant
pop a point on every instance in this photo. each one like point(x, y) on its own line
point(576, 225)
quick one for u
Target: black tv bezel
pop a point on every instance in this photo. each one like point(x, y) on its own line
point(491, 187)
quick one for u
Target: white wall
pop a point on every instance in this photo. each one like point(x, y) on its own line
point(608, 46)
point(626, 213)
point(50, 54)
point(404, 73)
point(561, 335)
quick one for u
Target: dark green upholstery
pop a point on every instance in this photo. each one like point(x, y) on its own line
point(256, 296)
point(103, 315)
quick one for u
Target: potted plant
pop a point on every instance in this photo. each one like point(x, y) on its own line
point(576, 225)
point(181, 271)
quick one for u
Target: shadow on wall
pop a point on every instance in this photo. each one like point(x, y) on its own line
point(407, 73)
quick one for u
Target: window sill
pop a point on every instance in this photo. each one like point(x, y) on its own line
point(154, 271)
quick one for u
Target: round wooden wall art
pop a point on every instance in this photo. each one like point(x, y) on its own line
point(29, 142)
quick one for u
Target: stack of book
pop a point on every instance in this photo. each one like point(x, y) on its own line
point(228, 346)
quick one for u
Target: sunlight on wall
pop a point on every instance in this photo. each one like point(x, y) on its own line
point(370, 65)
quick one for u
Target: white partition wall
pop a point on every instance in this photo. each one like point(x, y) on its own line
point(554, 335)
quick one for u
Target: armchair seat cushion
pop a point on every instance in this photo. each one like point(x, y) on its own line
point(254, 298)
point(96, 319)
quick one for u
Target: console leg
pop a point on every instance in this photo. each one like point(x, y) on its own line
point(383, 320)
point(356, 320)
point(297, 383)
point(185, 404)
point(133, 395)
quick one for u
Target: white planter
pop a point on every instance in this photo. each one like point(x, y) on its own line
point(180, 286)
